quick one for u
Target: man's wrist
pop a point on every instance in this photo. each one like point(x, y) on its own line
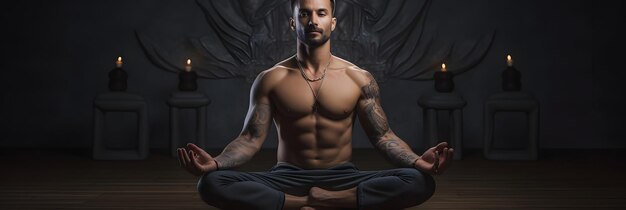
point(217, 165)
point(415, 162)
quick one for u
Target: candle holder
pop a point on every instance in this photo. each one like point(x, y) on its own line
point(511, 79)
point(443, 81)
point(118, 79)
point(187, 81)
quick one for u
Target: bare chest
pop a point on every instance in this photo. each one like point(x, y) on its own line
point(335, 97)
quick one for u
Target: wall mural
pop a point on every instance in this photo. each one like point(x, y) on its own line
point(386, 38)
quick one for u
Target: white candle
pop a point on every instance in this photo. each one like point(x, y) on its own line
point(188, 66)
point(443, 67)
point(118, 63)
point(509, 60)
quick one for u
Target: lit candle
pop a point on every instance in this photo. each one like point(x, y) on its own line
point(188, 66)
point(443, 80)
point(187, 78)
point(118, 63)
point(511, 77)
point(118, 77)
point(509, 61)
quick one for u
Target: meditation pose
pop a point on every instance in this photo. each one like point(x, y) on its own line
point(313, 99)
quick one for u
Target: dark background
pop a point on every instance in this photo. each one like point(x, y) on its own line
point(56, 56)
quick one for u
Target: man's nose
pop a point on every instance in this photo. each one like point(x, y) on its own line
point(313, 20)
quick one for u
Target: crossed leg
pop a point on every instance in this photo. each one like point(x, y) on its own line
point(321, 199)
point(273, 190)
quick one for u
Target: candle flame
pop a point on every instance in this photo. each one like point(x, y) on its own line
point(188, 66)
point(509, 61)
point(118, 63)
point(443, 67)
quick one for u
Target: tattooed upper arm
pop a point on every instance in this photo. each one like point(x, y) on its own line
point(374, 122)
point(258, 120)
point(254, 131)
point(260, 110)
point(371, 114)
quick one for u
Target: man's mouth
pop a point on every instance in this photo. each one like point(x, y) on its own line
point(313, 31)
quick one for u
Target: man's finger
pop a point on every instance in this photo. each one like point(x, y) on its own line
point(197, 150)
point(191, 159)
point(183, 156)
point(195, 162)
point(186, 156)
point(443, 162)
point(181, 159)
point(436, 163)
point(441, 145)
point(450, 153)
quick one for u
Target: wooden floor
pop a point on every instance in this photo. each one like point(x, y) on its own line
point(54, 179)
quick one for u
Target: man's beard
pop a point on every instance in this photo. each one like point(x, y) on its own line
point(313, 42)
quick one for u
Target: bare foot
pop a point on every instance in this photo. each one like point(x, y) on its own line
point(317, 195)
point(336, 199)
point(295, 202)
point(319, 208)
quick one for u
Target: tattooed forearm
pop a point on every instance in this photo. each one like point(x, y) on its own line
point(377, 128)
point(398, 152)
point(236, 153)
point(248, 143)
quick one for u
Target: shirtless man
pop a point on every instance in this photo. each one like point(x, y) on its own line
point(313, 99)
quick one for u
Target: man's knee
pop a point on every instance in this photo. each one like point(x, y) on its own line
point(210, 186)
point(420, 185)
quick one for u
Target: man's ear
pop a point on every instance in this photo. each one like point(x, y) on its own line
point(334, 23)
point(292, 24)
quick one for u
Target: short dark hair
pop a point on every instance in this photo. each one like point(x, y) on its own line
point(332, 6)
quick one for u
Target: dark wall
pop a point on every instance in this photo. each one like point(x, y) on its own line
point(56, 56)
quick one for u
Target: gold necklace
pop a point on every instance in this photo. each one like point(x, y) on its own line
point(307, 80)
point(315, 79)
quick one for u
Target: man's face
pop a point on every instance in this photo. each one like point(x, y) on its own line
point(313, 21)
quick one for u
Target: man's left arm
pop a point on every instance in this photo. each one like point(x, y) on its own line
point(374, 122)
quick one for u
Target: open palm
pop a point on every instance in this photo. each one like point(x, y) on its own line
point(436, 159)
point(195, 160)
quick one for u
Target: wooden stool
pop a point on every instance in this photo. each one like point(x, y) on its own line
point(511, 102)
point(120, 102)
point(452, 102)
point(187, 100)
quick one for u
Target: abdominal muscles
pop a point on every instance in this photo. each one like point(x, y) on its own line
point(315, 142)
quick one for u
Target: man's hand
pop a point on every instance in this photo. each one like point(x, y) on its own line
point(196, 161)
point(436, 159)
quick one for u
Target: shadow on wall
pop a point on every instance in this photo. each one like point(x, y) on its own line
point(388, 38)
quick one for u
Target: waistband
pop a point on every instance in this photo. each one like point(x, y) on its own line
point(283, 166)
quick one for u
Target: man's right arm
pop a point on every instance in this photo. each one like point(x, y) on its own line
point(255, 128)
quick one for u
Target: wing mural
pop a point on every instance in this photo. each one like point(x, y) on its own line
point(386, 38)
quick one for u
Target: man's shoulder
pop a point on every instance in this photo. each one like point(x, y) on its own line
point(267, 79)
point(340, 63)
point(360, 76)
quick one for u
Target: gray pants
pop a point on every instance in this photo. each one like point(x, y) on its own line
point(387, 189)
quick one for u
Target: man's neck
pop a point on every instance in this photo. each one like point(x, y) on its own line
point(315, 59)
